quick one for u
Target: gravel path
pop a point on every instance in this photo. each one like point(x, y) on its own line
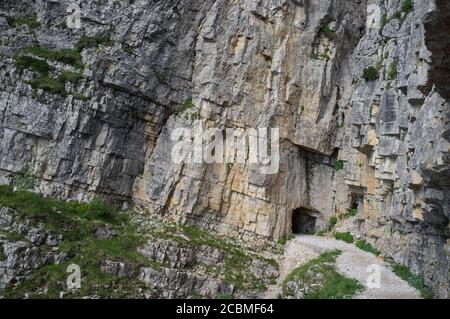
point(295, 254)
point(352, 263)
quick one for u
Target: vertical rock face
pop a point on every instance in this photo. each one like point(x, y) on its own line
point(357, 85)
point(395, 144)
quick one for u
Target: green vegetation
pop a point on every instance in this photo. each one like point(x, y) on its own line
point(77, 222)
point(407, 6)
point(29, 63)
point(338, 165)
point(393, 70)
point(322, 279)
point(43, 81)
point(370, 74)
point(363, 245)
point(52, 211)
point(187, 104)
point(67, 56)
point(398, 15)
point(13, 236)
point(224, 295)
point(328, 32)
point(350, 213)
point(49, 84)
point(236, 260)
point(384, 20)
point(333, 221)
point(63, 24)
point(72, 57)
point(325, 56)
point(94, 41)
point(25, 181)
point(346, 236)
point(30, 21)
point(413, 280)
point(72, 77)
point(80, 97)
point(284, 240)
point(56, 85)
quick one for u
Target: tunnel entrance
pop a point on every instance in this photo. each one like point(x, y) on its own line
point(303, 221)
point(357, 200)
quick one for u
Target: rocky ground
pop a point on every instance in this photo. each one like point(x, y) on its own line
point(354, 259)
point(120, 255)
point(358, 90)
point(352, 263)
point(123, 255)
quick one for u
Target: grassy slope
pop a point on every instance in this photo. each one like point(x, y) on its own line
point(77, 222)
point(331, 284)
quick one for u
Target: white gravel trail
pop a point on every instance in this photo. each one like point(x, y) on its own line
point(352, 263)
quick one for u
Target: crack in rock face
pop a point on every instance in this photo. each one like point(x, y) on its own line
point(359, 92)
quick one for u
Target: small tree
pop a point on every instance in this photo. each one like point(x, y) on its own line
point(370, 74)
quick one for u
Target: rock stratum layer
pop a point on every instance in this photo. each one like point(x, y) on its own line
point(358, 89)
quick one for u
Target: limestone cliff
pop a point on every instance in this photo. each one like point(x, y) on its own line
point(359, 90)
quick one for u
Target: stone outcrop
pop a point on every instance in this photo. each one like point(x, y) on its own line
point(24, 248)
point(378, 144)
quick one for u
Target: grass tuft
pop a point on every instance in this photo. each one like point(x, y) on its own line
point(72, 77)
point(370, 74)
point(338, 165)
point(346, 236)
point(413, 280)
point(187, 104)
point(284, 240)
point(93, 41)
point(333, 221)
point(393, 71)
point(29, 63)
point(67, 56)
point(407, 6)
point(363, 245)
point(30, 21)
point(77, 223)
point(224, 295)
point(328, 32)
point(49, 84)
point(25, 181)
point(320, 279)
point(350, 213)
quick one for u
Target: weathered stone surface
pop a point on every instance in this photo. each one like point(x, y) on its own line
point(19, 257)
point(6, 217)
point(105, 232)
point(176, 284)
point(36, 236)
point(167, 251)
point(245, 64)
point(53, 239)
point(116, 268)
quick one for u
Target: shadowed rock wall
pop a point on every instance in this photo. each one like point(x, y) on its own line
point(296, 65)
